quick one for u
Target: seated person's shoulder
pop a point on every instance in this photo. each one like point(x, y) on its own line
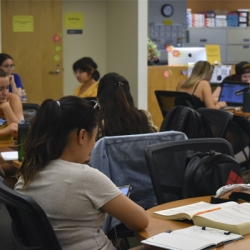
point(13, 98)
point(204, 84)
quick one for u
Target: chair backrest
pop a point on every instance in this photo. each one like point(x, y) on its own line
point(166, 163)
point(30, 110)
point(31, 228)
point(219, 120)
point(123, 160)
point(188, 121)
point(169, 99)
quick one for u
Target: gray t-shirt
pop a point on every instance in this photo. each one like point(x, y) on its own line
point(72, 194)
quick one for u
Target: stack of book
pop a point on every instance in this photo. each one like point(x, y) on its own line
point(243, 15)
point(221, 20)
point(232, 19)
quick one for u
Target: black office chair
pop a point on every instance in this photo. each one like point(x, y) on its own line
point(30, 110)
point(169, 99)
point(166, 163)
point(219, 120)
point(31, 229)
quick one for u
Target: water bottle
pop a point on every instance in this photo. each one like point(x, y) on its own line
point(23, 128)
point(23, 96)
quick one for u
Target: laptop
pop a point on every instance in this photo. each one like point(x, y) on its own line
point(229, 94)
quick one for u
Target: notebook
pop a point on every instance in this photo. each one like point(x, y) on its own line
point(229, 95)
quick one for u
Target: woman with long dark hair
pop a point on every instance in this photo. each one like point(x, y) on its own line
point(119, 116)
point(74, 196)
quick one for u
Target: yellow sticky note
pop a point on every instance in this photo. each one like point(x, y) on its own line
point(23, 24)
point(213, 53)
point(73, 20)
point(167, 22)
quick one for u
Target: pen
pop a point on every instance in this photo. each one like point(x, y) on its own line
point(206, 211)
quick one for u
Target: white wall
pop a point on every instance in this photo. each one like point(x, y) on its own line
point(115, 36)
point(126, 39)
point(91, 43)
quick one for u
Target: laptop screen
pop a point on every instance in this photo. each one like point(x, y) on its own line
point(228, 91)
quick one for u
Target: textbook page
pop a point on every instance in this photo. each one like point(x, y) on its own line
point(235, 218)
point(188, 211)
point(197, 238)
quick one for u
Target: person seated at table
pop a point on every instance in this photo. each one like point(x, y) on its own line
point(11, 111)
point(75, 197)
point(199, 87)
point(242, 74)
point(86, 72)
point(119, 116)
point(6, 63)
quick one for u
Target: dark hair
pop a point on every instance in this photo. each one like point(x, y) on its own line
point(87, 64)
point(50, 129)
point(3, 73)
point(232, 78)
point(4, 57)
point(118, 112)
point(242, 68)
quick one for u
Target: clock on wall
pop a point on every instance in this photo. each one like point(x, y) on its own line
point(167, 10)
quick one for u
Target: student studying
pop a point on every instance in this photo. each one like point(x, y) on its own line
point(75, 197)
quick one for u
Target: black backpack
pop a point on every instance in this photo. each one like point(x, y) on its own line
point(206, 172)
point(188, 121)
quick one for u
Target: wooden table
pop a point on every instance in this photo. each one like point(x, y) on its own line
point(240, 113)
point(157, 225)
point(4, 144)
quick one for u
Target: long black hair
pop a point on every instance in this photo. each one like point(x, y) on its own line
point(4, 57)
point(118, 112)
point(50, 129)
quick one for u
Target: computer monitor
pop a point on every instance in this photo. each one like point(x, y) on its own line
point(186, 55)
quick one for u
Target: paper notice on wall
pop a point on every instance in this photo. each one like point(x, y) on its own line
point(213, 53)
point(23, 24)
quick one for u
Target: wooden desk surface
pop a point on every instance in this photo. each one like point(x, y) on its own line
point(7, 143)
point(240, 113)
point(157, 225)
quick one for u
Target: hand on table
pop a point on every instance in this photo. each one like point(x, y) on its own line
point(222, 104)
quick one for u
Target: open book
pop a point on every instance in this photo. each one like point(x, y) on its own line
point(197, 238)
point(229, 216)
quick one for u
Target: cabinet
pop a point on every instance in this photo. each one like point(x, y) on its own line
point(238, 44)
point(234, 42)
point(199, 37)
